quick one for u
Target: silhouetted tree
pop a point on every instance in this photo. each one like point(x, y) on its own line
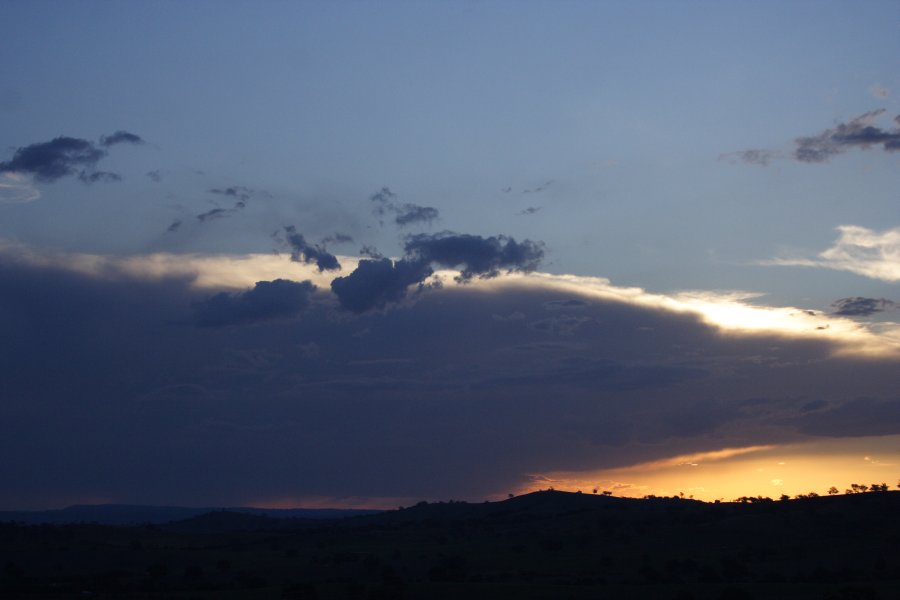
point(832, 491)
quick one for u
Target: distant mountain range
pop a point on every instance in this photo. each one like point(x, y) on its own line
point(129, 514)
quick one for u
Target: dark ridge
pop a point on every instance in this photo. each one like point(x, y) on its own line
point(128, 514)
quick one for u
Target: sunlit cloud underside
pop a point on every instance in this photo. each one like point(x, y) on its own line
point(732, 312)
point(767, 470)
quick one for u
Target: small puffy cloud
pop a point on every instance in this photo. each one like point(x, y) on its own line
point(49, 161)
point(476, 255)
point(859, 250)
point(266, 300)
point(380, 281)
point(862, 307)
point(64, 156)
point(376, 282)
point(120, 137)
point(302, 251)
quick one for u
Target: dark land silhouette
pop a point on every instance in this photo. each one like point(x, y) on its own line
point(542, 545)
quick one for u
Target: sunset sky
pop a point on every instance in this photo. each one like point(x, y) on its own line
point(370, 253)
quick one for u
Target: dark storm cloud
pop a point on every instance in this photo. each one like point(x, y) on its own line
point(855, 133)
point(375, 283)
point(530, 210)
point(154, 175)
point(266, 300)
point(176, 224)
point(862, 307)
point(111, 390)
point(49, 161)
point(404, 214)
point(120, 137)
point(302, 251)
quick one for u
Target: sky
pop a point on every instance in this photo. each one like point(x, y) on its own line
point(365, 254)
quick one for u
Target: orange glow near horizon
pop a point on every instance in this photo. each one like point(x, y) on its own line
point(755, 471)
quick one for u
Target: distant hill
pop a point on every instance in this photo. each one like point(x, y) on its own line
point(128, 514)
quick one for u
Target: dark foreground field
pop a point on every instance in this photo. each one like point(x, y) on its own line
point(543, 545)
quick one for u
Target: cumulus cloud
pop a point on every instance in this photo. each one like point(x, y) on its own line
point(404, 214)
point(862, 307)
point(376, 282)
point(379, 281)
point(302, 251)
point(476, 255)
point(266, 300)
point(858, 250)
point(858, 132)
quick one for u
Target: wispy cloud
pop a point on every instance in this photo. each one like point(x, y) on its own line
point(879, 91)
point(405, 213)
point(859, 132)
point(16, 189)
point(862, 307)
point(302, 251)
point(859, 250)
